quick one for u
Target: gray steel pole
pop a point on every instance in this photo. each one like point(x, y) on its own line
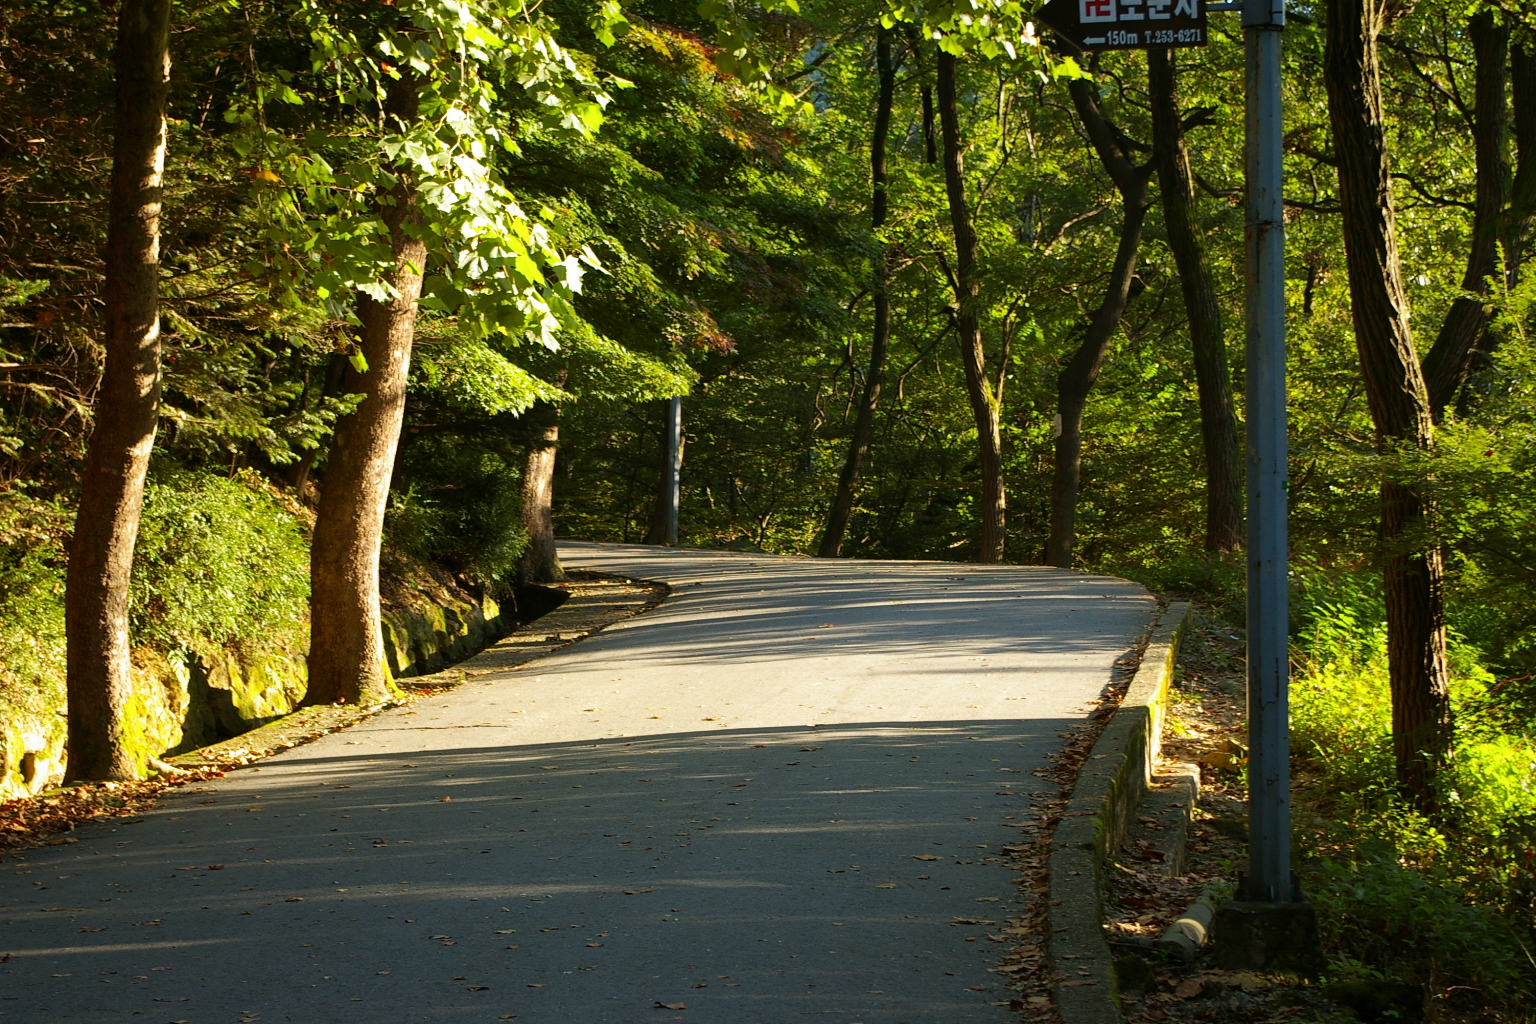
point(672, 491)
point(1269, 768)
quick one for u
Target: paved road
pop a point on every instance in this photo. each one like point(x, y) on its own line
point(717, 804)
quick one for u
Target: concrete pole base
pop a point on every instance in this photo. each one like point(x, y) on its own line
point(1268, 937)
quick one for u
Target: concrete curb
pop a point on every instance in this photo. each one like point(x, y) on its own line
point(1103, 803)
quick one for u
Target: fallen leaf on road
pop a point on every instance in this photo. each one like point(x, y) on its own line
point(445, 799)
point(535, 984)
point(636, 892)
point(550, 767)
point(294, 899)
point(478, 988)
point(987, 899)
point(669, 1006)
point(886, 885)
point(1189, 988)
point(926, 856)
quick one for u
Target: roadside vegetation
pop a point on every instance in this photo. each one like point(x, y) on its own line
point(364, 293)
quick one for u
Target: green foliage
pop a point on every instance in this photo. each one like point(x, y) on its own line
point(32, 564)
point(471, 376)
point(219, 563)
point(456, 505)
point(1379, 917)
point(494, 267)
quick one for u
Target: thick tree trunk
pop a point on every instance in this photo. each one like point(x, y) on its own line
point(346, 660)
point(984, 405)
point(1077, 378)
point(864, 422)
point(1207, 333)
point(541, 562)
point(127, 409)
point(1466, 322)
point(1395, 389)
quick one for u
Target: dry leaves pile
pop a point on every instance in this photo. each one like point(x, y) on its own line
point(43, 820)
point(1025, 964)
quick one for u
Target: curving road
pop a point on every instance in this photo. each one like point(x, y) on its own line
point(716, 804)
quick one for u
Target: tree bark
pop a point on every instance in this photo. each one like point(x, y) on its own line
point(660, 531)
point(97, 671)
point(1395, 390)
point(541, 562)
point(1522, 217)
point(864, 422)
point(1466, 322)
point(346, 659)
point(1077, 378)
point(984, 404)
point(1207, 333)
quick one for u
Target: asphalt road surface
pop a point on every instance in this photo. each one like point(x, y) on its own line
point(717, 804)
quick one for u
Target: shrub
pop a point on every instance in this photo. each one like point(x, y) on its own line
point(32, 564)
point(219, 563)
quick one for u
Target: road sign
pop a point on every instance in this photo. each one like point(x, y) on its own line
point(1126, 24)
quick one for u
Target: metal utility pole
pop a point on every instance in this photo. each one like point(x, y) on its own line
point(1269, 766)
point(671, 484)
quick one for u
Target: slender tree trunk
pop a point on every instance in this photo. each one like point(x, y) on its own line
point(541, 562)
point(346, 660)
point(864, 422)
point(127, 409)
point(660, 531)
point(1077, 378)
point(984, 405)
point(1466, 322)
point(1207, 333)
point(1522, 80)
point(1395, 389)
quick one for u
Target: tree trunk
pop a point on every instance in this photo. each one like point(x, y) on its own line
point(662, 529)
point(1077, 378)
point(346, 659)
point(984, 405)
point(1207, 333)
point(864, 423)
point(541, 562)
point(127, 411)
point(1466, 322)
point(1395, 390)
point(1522, 80)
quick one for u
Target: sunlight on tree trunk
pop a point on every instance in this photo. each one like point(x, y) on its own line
point(127, 408)
point(1395, 389)
point(346, 658)
point(984, 404)
point(541, 562)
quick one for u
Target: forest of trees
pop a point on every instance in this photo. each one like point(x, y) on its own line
point(418, 277)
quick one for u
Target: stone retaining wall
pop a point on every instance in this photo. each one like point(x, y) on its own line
point(181, 701)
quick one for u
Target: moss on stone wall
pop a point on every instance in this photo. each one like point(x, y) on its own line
point(181, 701)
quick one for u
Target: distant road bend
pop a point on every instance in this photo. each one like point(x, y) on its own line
point(717, 804)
